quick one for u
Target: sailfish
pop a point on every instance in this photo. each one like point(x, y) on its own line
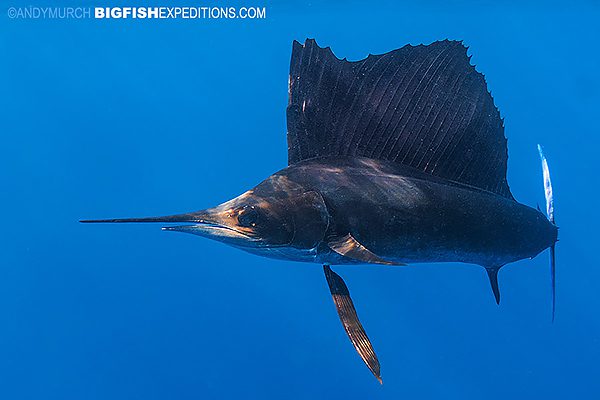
point(396, 159)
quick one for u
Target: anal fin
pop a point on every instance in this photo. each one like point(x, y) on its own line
point(492, 273)
point(349, 318)
point(348, 246)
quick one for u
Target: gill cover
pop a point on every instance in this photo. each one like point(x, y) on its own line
point(310, 219)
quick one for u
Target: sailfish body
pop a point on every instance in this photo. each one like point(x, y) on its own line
point(395, 159)
point(405, 216)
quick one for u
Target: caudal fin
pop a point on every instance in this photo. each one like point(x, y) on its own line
point(550, 213)
point(553, 278)
point(547, 186)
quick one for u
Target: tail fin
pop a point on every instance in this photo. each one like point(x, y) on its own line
point(547, 186)
point(550, 213)
point(553, 277)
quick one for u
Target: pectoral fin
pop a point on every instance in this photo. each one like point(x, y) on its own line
point(348, 246)
point(349, 318)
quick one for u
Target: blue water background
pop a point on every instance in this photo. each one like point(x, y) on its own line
point(135, 118)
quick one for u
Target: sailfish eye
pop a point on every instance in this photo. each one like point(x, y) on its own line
point(247, 217)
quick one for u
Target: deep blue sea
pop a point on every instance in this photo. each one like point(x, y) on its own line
point(117, 118)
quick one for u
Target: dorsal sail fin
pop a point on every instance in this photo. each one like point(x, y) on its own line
point(425, 107)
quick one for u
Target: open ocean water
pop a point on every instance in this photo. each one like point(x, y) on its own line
point(116, 118)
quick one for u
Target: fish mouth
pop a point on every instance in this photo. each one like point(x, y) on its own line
point(217, 231)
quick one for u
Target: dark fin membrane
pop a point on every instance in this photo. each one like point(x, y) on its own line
point(425, 107)
point(352, 326)
point(349, 247)
point(493, 276)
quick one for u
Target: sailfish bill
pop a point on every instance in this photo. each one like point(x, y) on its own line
point(190, 217)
